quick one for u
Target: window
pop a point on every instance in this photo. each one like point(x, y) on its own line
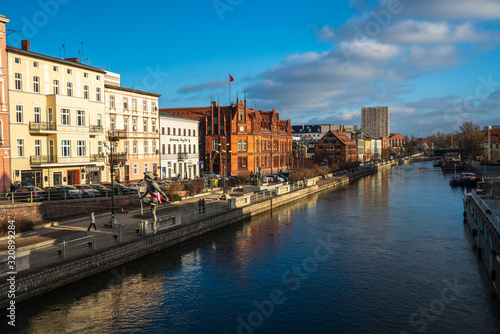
point(69, 89)
point(38, 147)
point(184, 132)
point(194, 133)
point(134, 147)
point(146, 166)
point(134, 124)
point(36, 84)
point(125, 145)
point(18, 81)
point(194, 148)
point(162, 148)
point(153, 126)
point(55, 84)
point(85, 92)
point(17, 60)
point(162, 130)
point(145, 106)
point(68, 71)
point(65, 148)
point(242, 163)
point(80, 148)
point(19, 114)
point(111, 101)
point(175, 148)
point(80, 118)
point(173, 130)
point(145, 147)
point(189, 149)
point(257, 146)
point(189, 132)
point(215, 145)
point(244, 145)
point(136, 169)
point(154, 147)
point(85, 75)
point(168, 131)
point(125, 124)
point(153, 106)
point(98, 94)
point(239, 145)
point(99, 121)
point(35, 64)
point(99, 146)
point(55, 69)
point(37, 115)
point(125, 103)
point(20, 148)
point(145, 126)
point(97, 77)
point(134, 105)
point(112, 124)
point(64, 116)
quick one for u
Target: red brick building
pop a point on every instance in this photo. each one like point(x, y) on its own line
point(241, 138)
point(335, 147)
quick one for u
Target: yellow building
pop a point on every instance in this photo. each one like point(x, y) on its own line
point(56, 119)
point(132, 124)
point(368, 150)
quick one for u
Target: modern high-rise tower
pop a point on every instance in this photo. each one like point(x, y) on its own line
point(375, 121)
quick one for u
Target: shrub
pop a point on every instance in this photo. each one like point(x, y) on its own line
point(244, 177)
point(21, 226)
point(174, 197)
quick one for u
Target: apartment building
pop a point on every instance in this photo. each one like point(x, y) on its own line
point(375, 121)
point(335, 147)
point(56, 109)
point(179, 146)
point(132, 126)
point(4, 111)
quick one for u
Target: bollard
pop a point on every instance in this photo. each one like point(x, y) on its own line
point(64, 249)
point(94, 241)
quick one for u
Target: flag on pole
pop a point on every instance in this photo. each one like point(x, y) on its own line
point(230, 78)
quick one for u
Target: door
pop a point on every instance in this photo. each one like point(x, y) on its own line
point(57, 178)
point(51, 151)
point(127, 172)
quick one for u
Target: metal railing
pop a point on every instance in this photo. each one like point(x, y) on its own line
point(97, 158)
point(42, 126)
point(96, 128)
point(42, 159)
point(488, 213)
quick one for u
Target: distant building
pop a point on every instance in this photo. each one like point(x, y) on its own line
point(375, 121)
point(179, 144)
point(397, 140)
point(235, 139)
point(493, 138)
point(316, 132)
point(335, 147)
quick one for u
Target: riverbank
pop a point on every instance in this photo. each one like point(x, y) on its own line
point(56, 265)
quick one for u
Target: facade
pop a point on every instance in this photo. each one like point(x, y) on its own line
point(56, 109)
point(492, 144)
point(375, 121)
point(4, 111)
point(397, 140)
point(335, 147)
point(235, 139)
point(132, 125)
point(179, 146)
point(316, 132)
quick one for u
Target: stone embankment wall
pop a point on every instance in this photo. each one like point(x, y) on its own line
point(36, 282)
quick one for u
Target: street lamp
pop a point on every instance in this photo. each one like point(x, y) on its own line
point(112, 223)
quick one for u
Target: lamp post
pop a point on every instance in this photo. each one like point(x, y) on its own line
point(112, 223)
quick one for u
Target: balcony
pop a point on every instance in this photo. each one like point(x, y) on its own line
point(117, 134)
point(42, 126)
point(96, 129)
point(119, 157)
point(97, 158)
point(182, 156)
point(43, 159)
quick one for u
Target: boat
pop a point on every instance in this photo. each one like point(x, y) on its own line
point(468, 179)
point(452, 161)
point(455, 181)
point(437, 162)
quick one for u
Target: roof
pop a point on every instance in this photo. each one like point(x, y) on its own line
point(341, 136)
point(131, 90)
point(494, 136)
point(53, 59)
point(397, 136)
point(166, 114)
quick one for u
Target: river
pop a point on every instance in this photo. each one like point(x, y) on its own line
point(386, 254)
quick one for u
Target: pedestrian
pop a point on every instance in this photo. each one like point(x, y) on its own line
point(12, 188)
point(92, 221)
point(203, 205)
point(200, 204)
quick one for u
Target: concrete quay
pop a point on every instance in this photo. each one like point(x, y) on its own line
point(45, 267)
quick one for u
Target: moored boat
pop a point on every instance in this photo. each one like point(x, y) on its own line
point(468, 179)
point(455, 181)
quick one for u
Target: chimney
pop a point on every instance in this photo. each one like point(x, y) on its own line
point(25, 44)
point(76, 60)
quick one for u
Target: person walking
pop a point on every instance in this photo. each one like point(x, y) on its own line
point(92, 221)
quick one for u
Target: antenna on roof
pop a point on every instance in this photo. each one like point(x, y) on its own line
point(11, 31)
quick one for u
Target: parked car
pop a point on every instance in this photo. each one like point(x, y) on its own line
point(120, 189)
point(62, 192)
point(26, 193)
point(210, 175)
point(273, 178)
point(285, 176)
point(103, 191)
point(140, 187)
point(87, 190)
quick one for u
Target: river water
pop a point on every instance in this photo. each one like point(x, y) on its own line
point(386, 254)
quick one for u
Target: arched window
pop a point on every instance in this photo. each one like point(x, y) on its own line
point(244, 145)
point(239, 145)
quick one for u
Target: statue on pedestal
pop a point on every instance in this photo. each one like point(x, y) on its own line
point(257, 179)
point(155, 193)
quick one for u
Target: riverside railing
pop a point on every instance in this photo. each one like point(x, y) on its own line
point(489, 214)
point(39, 196)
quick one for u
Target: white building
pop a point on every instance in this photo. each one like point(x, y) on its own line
point(179, 151)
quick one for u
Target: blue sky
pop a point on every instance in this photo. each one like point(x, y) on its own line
point(434, 63)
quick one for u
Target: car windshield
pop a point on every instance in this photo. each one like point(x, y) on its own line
point(86, 187)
